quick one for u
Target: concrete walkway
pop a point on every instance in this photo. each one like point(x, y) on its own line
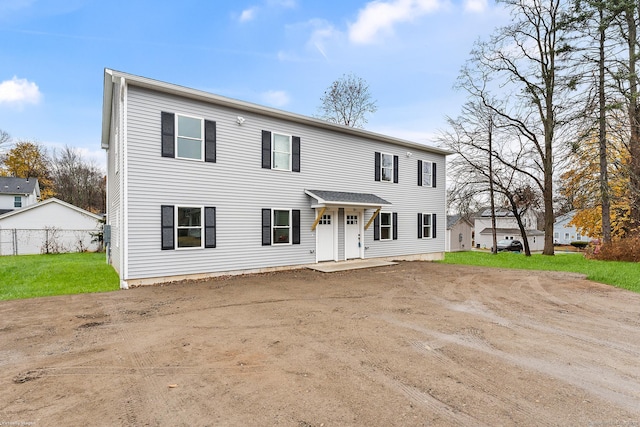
point(333, 266)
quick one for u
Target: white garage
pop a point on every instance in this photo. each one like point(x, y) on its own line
point(51, 226)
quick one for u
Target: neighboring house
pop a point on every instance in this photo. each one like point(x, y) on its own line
point(48, 226)
point(16, 193)
point(459, 233)
point(201, 185)
point(507, 228)
point(563, 233)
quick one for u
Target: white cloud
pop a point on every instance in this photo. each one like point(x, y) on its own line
point(248, 15)
point(19, 91)
point(277, 98)
point(381, 16)
point(475, 6)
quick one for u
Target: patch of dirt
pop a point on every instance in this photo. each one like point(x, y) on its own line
point(411, 344)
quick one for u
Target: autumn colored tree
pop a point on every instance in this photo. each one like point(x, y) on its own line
point(29, 159)
point(581, 184)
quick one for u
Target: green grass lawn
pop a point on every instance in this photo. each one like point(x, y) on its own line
point(27, 276)
point(621, 274)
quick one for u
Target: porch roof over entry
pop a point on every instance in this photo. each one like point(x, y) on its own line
point(340, 198)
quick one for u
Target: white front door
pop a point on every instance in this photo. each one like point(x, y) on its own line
point(325, 237)
point(352, 235)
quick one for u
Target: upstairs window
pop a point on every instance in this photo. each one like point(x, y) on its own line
point(189, 139)
point(280, 152)
point(426, 174)
point(17, 202)
point(386, 167)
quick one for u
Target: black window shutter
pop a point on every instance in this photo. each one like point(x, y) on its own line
point(167, 219)
point(433, 174)
point(433, 225)
point(376, 228)
point(420, 173)
point(209, 227)
point(168, 134)
point(266, 150)
point(419, 226)
point(209, 141)
point(377, 165)
point(266, 227)
point(395, 225)
point(295, 219)
point(295, 153)
point(395, 169)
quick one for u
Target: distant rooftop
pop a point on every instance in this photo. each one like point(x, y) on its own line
point(12, 185)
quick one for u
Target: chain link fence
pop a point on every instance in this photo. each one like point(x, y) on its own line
point(50, 240)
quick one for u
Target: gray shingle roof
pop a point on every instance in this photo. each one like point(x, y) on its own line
point(11, 185)
point(340, 197)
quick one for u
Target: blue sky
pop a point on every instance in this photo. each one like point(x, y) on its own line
point(279, 53)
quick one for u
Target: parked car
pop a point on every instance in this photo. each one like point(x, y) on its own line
point(509, 245)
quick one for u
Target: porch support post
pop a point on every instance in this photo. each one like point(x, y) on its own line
point(315, 223)
point(375, 214)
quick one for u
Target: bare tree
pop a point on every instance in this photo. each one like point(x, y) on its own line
point(347, 101)
point(523, 62)
point(5, 138)
point(78, 181)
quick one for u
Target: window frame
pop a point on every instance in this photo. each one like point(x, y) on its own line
point(280, 227)
point(17, 201)
point(178, 136)
point(382, 168)
point(177, 227)
point(424, 226)
point(274, 152)
point(389, 226)
point(427, 182)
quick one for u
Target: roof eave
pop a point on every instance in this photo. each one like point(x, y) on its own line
point(169, 88)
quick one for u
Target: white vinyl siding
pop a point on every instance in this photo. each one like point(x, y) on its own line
point(240, 188)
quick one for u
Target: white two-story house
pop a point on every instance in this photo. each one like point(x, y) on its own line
point(200, 185)
point(16, 193)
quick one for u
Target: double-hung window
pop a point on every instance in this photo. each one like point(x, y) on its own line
point(281, 226)
point(189, 138)
point(387, 167)
point(17, 201)
point(426, 174)
point(426, 226)
point(386, 224)
point(281, 152)
point(185, 227)
point(189, 227)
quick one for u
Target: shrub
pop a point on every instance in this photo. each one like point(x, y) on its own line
point(626, 249)
point(580, 244)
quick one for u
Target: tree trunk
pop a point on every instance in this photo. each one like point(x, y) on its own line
point(602, 137)
point(494, 247)
point(634, 120)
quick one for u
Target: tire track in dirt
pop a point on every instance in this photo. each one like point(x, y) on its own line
point(147, 383)
point(625, 394)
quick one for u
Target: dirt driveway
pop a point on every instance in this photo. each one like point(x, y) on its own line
point(415, 344)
